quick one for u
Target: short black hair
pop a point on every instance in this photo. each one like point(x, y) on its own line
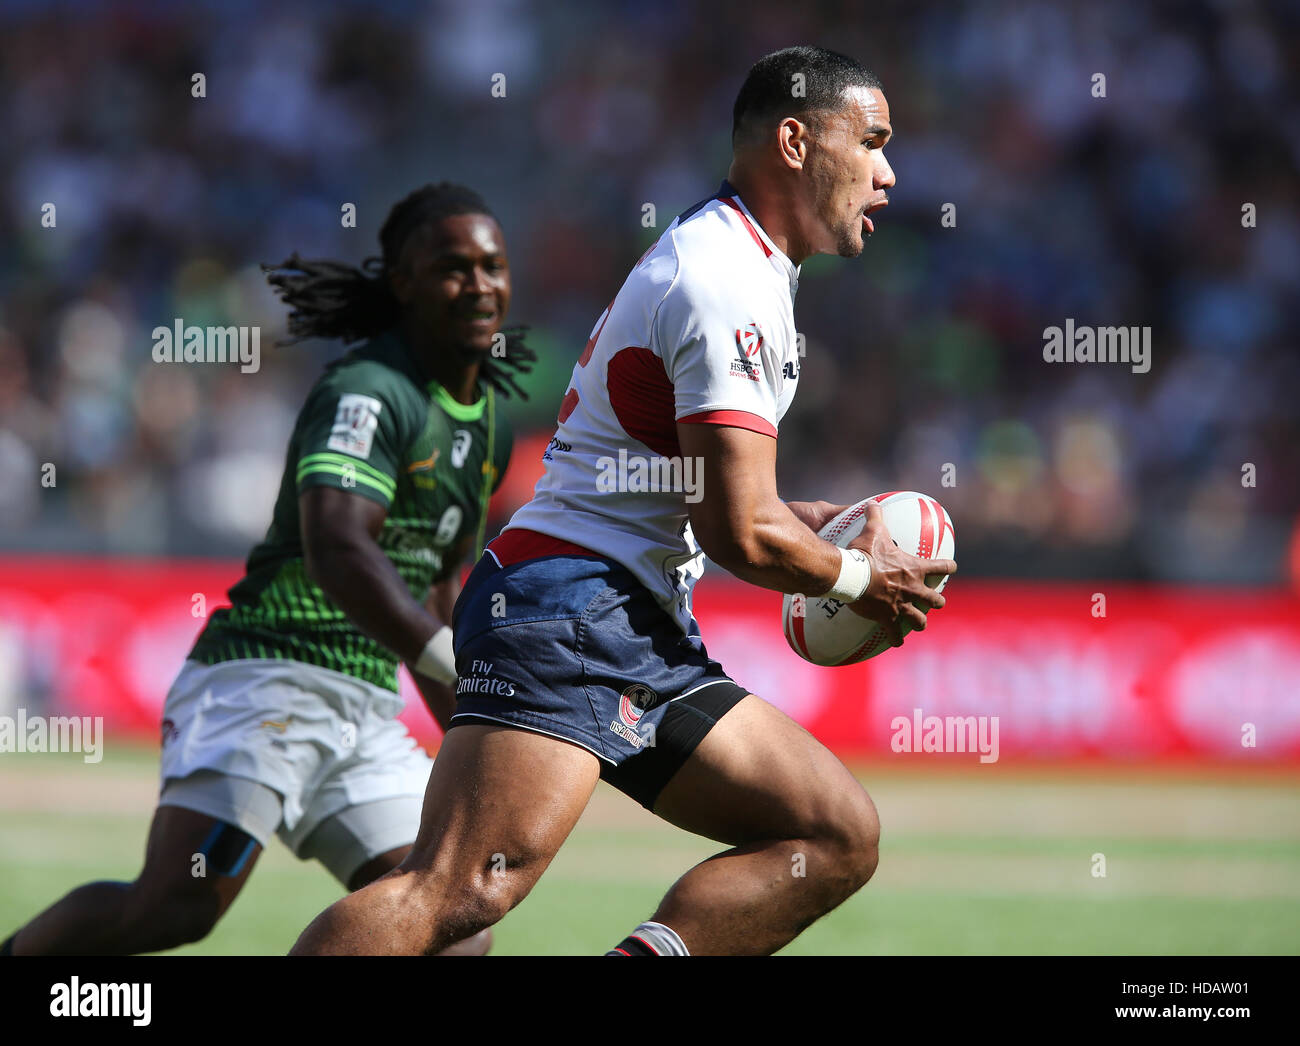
point(768, 91)
point(425, 207)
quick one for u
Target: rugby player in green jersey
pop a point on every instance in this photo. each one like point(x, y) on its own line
point(283, 719)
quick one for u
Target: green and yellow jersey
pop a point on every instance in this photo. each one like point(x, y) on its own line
point(374, 426)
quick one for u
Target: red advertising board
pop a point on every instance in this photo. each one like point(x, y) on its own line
point(1206, 673)
point(1145, 672)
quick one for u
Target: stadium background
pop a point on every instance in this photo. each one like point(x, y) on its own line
point(1120, 735)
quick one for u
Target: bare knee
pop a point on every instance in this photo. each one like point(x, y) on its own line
point(159, 917)
point(502, 884)
point(866, 838)
point(848, 841)
point(465, 910)
point(483, 896)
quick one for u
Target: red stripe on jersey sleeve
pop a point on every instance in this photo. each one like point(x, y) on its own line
point(740, 419)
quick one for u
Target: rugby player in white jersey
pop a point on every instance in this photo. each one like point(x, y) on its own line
point(577, 654)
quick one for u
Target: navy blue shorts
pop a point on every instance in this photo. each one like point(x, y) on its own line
point(575, 647)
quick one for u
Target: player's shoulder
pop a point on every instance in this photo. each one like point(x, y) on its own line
point(379, 368)
point(715, 241)
point(701, 269)
point(711, 267)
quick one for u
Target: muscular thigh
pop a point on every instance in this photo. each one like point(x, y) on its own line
point(759, 775)
point(500, 799)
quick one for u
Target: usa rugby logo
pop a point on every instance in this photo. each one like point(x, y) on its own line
point(634, 702)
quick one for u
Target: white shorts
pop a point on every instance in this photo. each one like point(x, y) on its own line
point(325, 748)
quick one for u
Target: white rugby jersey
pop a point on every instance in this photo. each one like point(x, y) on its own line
point(702, 331)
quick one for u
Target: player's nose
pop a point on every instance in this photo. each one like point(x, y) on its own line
point(480, 283)
point(883, 176)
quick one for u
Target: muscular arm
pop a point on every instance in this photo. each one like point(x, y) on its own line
point(441, 698)
point(745, 527)
point(342, 555)
point(741, 522)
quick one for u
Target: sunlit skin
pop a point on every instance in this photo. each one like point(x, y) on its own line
point(812, 183)
point(453, 281)
point(757, 782)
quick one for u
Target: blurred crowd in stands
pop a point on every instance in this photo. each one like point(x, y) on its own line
point(1119, 201)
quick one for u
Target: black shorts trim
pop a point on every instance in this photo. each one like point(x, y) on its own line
point(643, 776)
point(685, 724)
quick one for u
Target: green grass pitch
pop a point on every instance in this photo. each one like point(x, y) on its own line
point(974, 860)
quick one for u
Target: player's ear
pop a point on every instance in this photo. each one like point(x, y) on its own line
point(792, 142)
point(399, 281)
point(410, 259)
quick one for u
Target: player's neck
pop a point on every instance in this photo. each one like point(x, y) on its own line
point(773, 211)
point(458, 376)
point(459, 379)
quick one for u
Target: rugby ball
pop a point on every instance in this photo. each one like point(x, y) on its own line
point(824, 630)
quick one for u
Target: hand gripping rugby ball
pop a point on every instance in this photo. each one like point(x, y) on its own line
point(827, 632)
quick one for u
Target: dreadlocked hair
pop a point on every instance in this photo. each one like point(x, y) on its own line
point(328, 299)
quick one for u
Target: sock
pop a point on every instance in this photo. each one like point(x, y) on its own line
point(7, 946)
point(650, 939)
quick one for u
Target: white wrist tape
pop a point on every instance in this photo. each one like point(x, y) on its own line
point(437, 660)
point(855, 576)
